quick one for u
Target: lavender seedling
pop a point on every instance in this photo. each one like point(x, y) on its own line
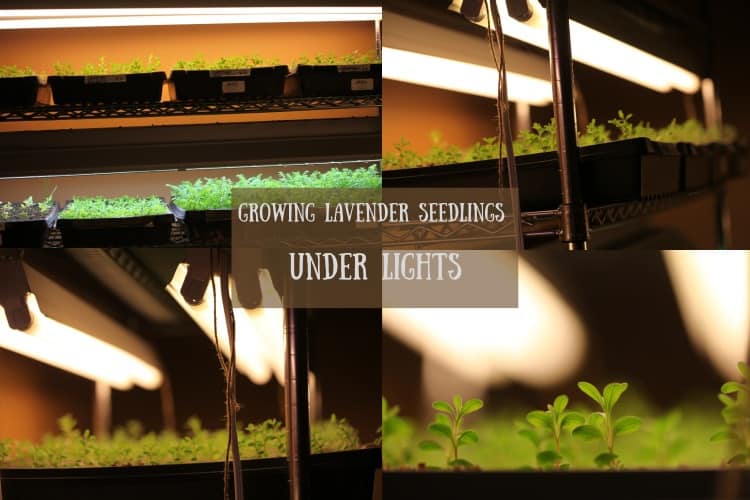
point(552, 423)
point(448, 424)
point(602, 425)
point(735, 396)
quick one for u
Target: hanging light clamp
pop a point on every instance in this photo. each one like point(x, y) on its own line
point(13, 290)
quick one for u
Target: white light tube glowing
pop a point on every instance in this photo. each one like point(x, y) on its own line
point(540, 343)
point(456, 76)
point(72, 350)
point(712, 288)
point(599, 50)
point(91, 18)
point(259, 341)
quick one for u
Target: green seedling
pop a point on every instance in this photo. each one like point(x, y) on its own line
point(448, 424)
point(129, 445)
point(15, 71)
point(540, 139)
point(4, 449)
point(355, 57)
point(551, 423)
point(396, 433)
point(441, 153)
point(267, 439)
point(677, 439)
point(102, 67)
point(543, 138)
point(403, 157)
point(662, 440)
point(735, 396)
point(226, 63)
point(602, 425)
point(486, 149)
point(534, 436)
point(27, 209)
point(690, 131)
point(110, 208)
point(216, 193)
point(596, 133)
point(334, 434)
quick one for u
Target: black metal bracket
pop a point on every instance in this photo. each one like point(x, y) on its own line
point(13, 290)
point(518, 10)
point(198, 275)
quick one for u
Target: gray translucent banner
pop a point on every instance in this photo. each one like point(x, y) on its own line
point(402, 247)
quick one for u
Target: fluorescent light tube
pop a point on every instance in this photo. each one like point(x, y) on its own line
point(96, 18)
point(259, 339)
point(539, 343)
point(456, 76)
point(601, 51)
point(712, 289)
point(77, 352)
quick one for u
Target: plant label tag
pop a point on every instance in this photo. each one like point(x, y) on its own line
point(231, 73)
point(359, 84)
point(105, 79)
point(354, 68)
point(233, 87)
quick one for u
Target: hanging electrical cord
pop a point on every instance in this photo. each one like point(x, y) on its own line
point(223, 365)
point(229, 370)
point(232, 406)
point(505, 134)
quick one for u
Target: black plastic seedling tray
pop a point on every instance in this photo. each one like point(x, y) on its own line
point(738, 159)
point(107, 89)
point(205, 226)
point(722, 158)
point(148, 230)
point(26, 233)
point(251, 83)
point(615, 172)
point(346, 475)
point(537, 171)
point(700, 167)
point(340, 80)
point(18, 91)
point(594, 485)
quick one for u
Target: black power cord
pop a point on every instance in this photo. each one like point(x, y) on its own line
point(505, 134)
point(220, 259)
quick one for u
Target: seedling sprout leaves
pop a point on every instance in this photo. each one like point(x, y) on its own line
point(602, 425)
point(448, 425)
point(72, 447)
point(552, 423)
point(735, 396)
point(543, 138)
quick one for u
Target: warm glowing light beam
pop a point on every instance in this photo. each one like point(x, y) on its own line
point(457, 76)
point(77, 352)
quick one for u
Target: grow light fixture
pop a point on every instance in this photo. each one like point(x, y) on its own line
point(599, 50)
point(712, 289)
point(458, 76)
point(259, 332)
point(72, 350)
point(99, 18)
point(539, 343)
